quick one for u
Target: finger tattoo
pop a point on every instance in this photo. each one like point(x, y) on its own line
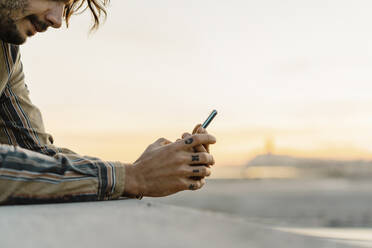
point(189, 141)
point(192, 186)
point(195, 157)
point(195, 171)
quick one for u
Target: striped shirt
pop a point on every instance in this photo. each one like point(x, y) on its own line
point(32, 169)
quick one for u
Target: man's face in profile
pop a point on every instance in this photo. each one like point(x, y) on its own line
point(20, 19)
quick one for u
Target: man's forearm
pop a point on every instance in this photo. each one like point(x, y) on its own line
point(30, 177)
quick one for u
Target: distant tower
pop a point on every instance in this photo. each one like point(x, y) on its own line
point(269, 146)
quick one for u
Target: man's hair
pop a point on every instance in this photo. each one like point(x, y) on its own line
point(97, 7)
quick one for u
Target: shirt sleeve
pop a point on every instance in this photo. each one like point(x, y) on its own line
point(32, 169)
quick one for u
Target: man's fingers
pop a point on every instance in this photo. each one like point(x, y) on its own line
point(193, 171)
point(162, 142)
point(185, 135)
point(200, 148)
point(201, 158)
point(199, 171)
point(199, 129)
point(197, 148)
point(195, 140)
point(191, 184)
point(196, 128)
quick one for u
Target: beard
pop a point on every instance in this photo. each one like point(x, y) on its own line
point(8, 29)
point(9, 33)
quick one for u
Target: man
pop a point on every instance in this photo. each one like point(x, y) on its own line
point(33, 170)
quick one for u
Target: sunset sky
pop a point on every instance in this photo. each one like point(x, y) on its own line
point(296, 72)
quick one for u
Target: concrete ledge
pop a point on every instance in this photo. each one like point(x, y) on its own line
point(133, 223)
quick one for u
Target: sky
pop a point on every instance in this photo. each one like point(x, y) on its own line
point(295, 72)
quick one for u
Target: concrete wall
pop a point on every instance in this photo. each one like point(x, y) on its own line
point(133, 223)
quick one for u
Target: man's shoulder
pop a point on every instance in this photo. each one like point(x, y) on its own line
point(9, 58)
point(9, 52)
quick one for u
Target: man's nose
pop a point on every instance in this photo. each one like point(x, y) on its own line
point(54, 15)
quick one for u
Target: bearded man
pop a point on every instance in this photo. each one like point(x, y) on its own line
point(33, 170)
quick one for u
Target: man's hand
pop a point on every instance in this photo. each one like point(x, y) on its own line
point(164, 168)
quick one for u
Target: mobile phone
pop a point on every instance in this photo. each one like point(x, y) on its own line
point(209, 119)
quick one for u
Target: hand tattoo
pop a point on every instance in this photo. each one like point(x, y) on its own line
point(195, 158)
point(192, 186)
point(195, 171)
point(189, 141)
